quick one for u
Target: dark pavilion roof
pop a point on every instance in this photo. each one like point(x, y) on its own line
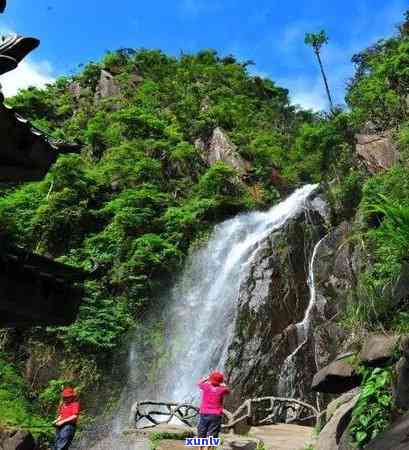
point(34, 290)
point(26, 153)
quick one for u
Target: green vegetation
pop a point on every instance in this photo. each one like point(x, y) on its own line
point(16, 408)
point(377, 98)
point(372, 412)
point(142, 193)
point(157, 436)
point(317, 40)
point(131, 205)
point(384, 235)
point(260, 446)
point(378, 91)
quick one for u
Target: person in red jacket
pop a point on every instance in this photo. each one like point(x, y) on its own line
point(67, 419)
point(211, 408)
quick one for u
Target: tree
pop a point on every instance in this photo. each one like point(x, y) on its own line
point(317, 40)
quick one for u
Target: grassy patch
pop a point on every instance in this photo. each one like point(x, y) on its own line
point(16, 409)
point(157, 436)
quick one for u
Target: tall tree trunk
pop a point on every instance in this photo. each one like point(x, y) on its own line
point(325, 80)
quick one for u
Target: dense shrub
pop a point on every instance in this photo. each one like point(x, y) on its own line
point(378, 92)
point(373, 410)
point(141, 192)
point(16, 409)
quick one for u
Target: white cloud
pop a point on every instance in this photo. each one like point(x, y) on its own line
point(27, 74)
point(309, 94)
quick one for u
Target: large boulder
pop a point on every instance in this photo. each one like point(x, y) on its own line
point(401, 390)
point(339, 401)
point(218, 147)
point(378, 350)
point(347, 441)
point(404, 346)
point(336, 378)
point(376, 151)
point(107, 86)
point(20, 440)
point(394, 438)
point(333, 431)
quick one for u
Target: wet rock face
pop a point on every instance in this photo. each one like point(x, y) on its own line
point(337, 264)
point(273, 297)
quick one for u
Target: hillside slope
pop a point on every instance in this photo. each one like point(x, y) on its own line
point(173, 146)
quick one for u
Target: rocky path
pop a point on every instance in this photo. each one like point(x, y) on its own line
point(274, 437)
point(123, 442)
point(283, 437)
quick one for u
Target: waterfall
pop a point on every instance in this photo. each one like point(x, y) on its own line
point(286, 384)
point(199, 311)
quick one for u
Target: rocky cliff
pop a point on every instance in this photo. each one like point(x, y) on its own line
point(275, 297)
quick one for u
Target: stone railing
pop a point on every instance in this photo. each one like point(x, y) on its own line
point(255, 412)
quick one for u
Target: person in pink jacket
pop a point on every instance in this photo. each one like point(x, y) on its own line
point(211, 408)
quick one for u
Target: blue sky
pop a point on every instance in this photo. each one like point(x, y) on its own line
point(271, 33)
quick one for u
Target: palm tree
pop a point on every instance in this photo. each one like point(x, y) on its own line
point(317, 40)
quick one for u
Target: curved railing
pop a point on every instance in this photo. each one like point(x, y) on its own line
point(255, 412)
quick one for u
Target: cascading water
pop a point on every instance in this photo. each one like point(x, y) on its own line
point(199, 311)
point(286, 384)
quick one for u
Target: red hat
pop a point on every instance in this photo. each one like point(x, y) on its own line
point(216, 377)
point(68, 392)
